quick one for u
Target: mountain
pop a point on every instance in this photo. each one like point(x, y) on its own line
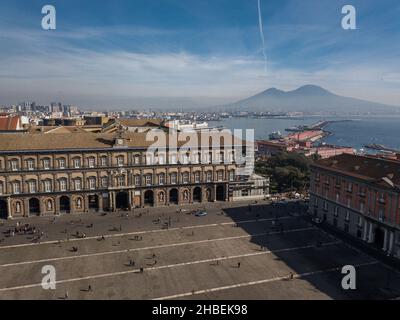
point(308, 99)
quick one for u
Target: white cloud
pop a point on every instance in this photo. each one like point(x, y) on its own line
point(51, 69)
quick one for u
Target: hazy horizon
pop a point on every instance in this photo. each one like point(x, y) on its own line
point(176, 54)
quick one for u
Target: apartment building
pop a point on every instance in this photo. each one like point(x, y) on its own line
point(359, 195)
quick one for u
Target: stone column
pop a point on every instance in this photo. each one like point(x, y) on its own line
point(86, 200)
point(57, 206)
point(100, 204)
point(9, 211)
point(391, 238)
point(365, 230)
point(385, 239)
point(370, 240)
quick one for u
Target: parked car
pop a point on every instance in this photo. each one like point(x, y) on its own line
point(317, 220)
point(201, 213)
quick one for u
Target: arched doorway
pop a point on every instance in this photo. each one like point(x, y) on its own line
point(379, 238)
point(65, 205)
point(220, 193)
point(122, 201)
point(174, 196)
point(197, 194)
point(149, 198)
point(34, 207)
point(3, 209)
point(94, 202)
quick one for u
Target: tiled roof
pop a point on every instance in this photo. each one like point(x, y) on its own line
point(372, 169)
point(9, 123)
point(61, 141)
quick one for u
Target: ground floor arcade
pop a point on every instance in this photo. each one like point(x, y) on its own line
point(109, 200)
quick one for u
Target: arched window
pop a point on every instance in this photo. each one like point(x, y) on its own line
point(161, 178)
point(120, 161)
point(30, 164)
point(173, 178)
point(91, 162)
point(104, 182)
point(32, 186)
point(103, 161)
point(78, 184)
point(92, 183)
point(46, 163)
point(121, 181)
point(149, 179)
point(62, 163)
point(63, 184)
point(185, 177)
point(47, 185)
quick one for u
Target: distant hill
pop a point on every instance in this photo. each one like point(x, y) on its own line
point(309, 99)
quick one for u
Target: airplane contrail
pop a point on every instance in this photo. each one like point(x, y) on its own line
point(260, 22)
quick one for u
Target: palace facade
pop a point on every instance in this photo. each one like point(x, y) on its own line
point(359, 195)
point(52, 174)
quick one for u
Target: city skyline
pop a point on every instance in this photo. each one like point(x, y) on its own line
point(171, 53)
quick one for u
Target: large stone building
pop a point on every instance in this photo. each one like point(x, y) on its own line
point(359, 195)
point(51, 174)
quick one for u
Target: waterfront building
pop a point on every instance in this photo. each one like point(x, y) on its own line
point(359, 195)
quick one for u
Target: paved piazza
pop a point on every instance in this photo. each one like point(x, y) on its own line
point(192, 258)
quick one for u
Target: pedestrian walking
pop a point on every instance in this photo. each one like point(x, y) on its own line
point(238, 265)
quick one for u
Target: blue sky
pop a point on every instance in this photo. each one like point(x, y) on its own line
point(135, 53)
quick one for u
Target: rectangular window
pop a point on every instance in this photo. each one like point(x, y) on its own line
point(137, 181)
point(161, 179)
point(120, 161)
point(1, 188)
point(47, 186)
point(103, 161)
point(173, 158)
point(77, 163)
point(220, 175)
point(209, 176)
point(104, 182)
point(197, 177)
point(173, 178)
point(16, 188)
point(32, 186)
point(31, 165)
point(14, 165)
point(63, 185)
point(78, 184)
point(91, 162)
point(92, 183)
point(148, 180)
point(61, 163)
point(46, 164)
point(185, 177)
